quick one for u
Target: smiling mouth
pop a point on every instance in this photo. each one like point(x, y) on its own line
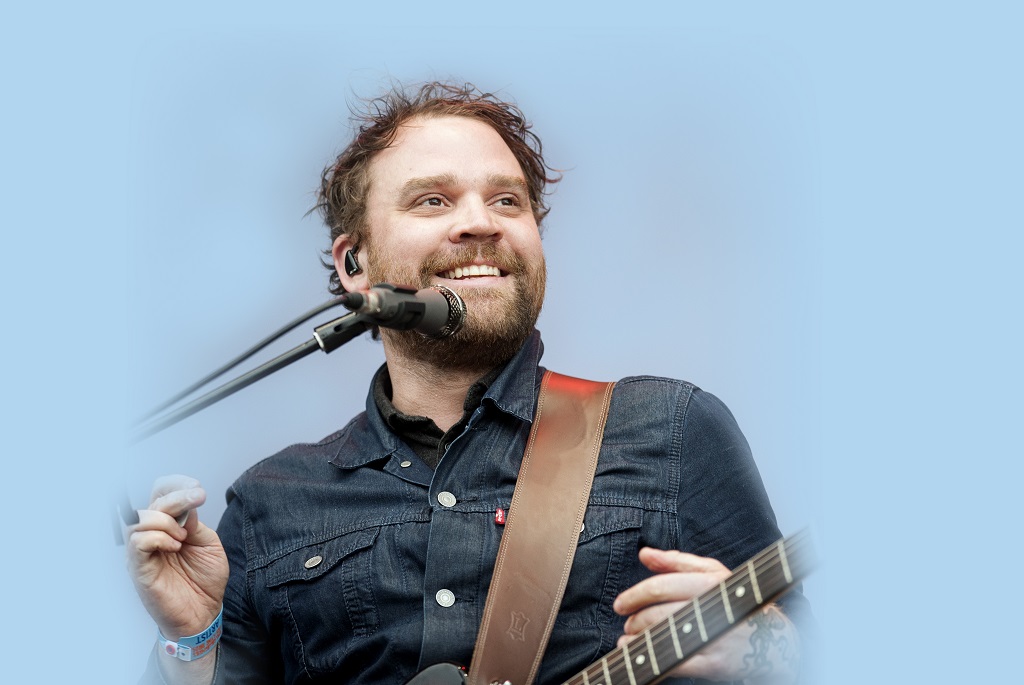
point(472, 271)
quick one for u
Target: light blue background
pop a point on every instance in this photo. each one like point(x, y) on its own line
point(815, 214)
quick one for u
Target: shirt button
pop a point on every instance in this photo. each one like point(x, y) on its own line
point(406, 464)
point(313, 561)
point(446, 499)
point(445, 598)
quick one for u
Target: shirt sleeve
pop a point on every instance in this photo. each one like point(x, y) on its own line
point(724, 511)
point(246, 656)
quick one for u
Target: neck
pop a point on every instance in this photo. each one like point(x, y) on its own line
point(420, 388)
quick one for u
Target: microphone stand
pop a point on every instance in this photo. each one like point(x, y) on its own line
point(327, 337)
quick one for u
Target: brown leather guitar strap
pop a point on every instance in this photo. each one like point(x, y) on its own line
point(542, 529)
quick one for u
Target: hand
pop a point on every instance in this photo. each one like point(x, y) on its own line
point(180, 572)
point(763, 648)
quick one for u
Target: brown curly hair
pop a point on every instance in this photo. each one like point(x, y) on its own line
point(345, 183)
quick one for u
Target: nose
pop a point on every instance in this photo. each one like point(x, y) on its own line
point(474, 221)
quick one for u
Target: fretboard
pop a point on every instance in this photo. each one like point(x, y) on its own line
point(667, 644)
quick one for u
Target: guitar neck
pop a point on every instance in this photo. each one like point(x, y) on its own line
point(669, 643)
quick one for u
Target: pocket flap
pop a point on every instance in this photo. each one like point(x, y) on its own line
point(315, 560)
point(601, 520)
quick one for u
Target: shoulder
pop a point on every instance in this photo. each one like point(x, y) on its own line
point(670, 403)
point(270, 506)
point(707, 466)
point(297, 464)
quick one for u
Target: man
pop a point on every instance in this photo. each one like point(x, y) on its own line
point(367, 556)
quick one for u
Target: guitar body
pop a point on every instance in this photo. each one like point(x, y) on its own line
point(440, 674)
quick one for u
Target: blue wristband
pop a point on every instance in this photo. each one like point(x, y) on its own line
point(195, 646)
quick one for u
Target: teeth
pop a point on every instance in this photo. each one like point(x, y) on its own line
point(471, 270)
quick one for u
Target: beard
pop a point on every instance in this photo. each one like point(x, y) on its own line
point(498, 320)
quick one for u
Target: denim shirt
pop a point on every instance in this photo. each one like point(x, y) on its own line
point(340, 551)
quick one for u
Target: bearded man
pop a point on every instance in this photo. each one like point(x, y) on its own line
point(367, 556)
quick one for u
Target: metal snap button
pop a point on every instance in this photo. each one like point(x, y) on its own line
point(313, 561)
point(446, 499)
point(445, 598)
point(406, 464)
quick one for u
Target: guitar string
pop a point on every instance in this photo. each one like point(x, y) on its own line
point(763, 561)
point(766, 560)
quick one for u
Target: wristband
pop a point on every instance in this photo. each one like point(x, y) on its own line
point(195, 646)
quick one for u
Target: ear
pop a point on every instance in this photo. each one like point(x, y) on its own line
point(359, 281)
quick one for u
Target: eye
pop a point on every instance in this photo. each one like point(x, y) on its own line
point(509, 201)
point(430, 204)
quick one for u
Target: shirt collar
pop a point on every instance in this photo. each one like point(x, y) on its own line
point(380, 386)
point(513, 392)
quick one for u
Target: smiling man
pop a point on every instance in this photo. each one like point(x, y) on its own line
point(367, 556)
point(448, 203)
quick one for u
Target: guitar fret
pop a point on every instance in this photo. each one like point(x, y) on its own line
point(650, 651)
point(700, 620)
point(725, 601)
point(675, 636)
point(785, 562)
point(753, 582)
point(629, 666)
point(586, 678)
point(607, 676)
point(742, 598)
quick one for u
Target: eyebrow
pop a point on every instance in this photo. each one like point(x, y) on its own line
point(414, 185)
point(426, 182)
point(504, 181)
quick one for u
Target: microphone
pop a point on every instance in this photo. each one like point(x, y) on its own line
point(436, 312)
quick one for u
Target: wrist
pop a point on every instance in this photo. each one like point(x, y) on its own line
point(196, 646)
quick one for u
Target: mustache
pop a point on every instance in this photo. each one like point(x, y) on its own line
point(503, 258)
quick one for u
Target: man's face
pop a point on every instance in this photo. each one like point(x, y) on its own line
point(448, 204)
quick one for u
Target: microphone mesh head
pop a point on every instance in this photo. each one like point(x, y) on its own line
point(456, 312)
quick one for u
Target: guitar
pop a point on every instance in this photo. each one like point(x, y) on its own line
point(669, 643)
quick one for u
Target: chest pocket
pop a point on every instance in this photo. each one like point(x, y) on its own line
point(605, 555)
point(327, 589)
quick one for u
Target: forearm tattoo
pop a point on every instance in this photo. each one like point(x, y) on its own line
point(774, 647)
